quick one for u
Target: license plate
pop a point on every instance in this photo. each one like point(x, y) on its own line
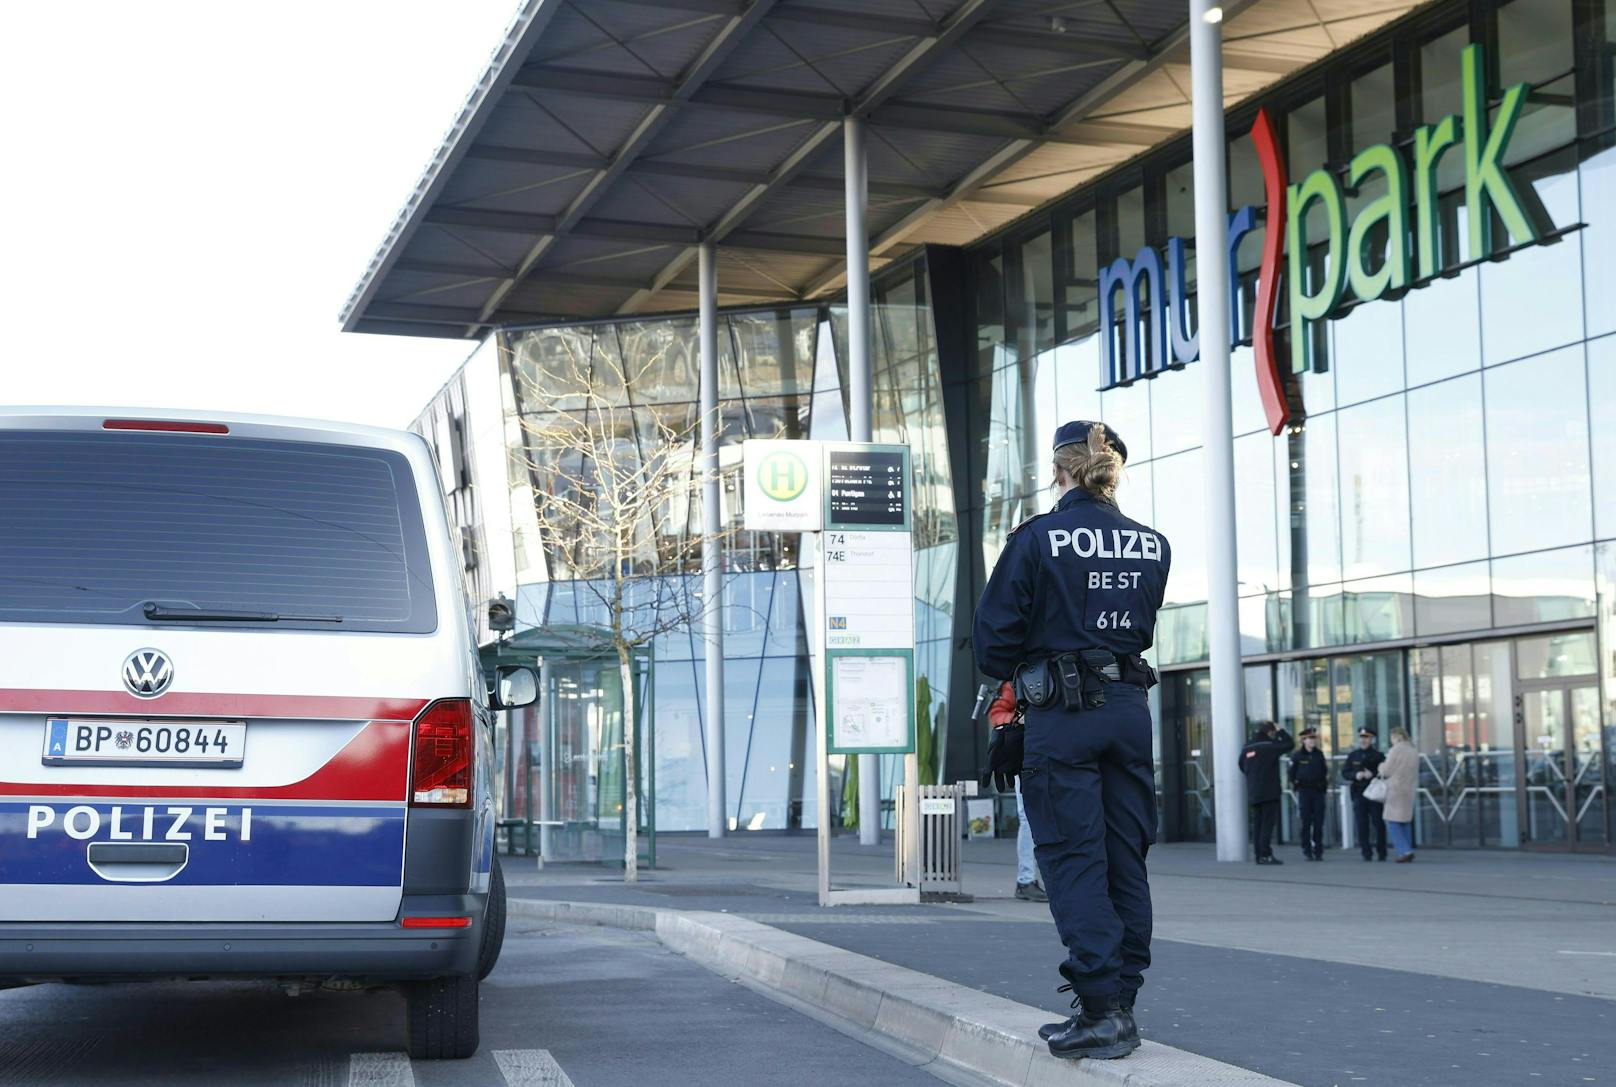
point(133, 742)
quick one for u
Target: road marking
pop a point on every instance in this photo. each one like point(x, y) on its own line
point(379, 1070)
point(1606, 954)
point(530, 1068)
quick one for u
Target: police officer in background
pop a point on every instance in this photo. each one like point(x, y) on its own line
point(1070, 605)
point(1310, 777)
point(1259, 762)
point(1359, 768)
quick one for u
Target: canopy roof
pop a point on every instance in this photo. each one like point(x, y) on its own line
point(609, 137)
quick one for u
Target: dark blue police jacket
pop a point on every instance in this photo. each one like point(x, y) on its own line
point(1081, 576)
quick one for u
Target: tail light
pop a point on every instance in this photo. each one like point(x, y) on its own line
point(440, 773)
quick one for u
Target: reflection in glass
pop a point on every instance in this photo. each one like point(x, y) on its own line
point(1551, 656)
point(1537, 454)
point(1442, 327)
point(1599, 237)
point(1452, 598)
point(1308, 484)
point(1258, 558)
point(1368, 354)
point(1374, 488)
point(1378, 609)
point(1448, 505)
point(1530, 302)
point(1176, 408)
point(1602, 407)
point(1077, 381)
point(1544, 587)
point(1181, 517)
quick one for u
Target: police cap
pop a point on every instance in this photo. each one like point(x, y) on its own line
point(1307, 732)
point(1367, 732)
point(1078, 431)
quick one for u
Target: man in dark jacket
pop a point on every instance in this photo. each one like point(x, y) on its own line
point(1259, 761)
point(1359, 769)
point(1310, 777)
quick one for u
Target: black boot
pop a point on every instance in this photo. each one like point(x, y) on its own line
point(1049, 1030)
point(1104, 1031)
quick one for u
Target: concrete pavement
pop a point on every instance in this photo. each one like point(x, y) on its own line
point(1473, 967)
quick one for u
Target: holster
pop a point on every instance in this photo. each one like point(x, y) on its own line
point(1034, 684)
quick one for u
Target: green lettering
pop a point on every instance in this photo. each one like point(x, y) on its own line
point(1429, 144)
point(1392, 207)
point(1322, 186)
point(1487, 186)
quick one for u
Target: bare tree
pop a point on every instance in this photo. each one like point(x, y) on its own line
point(617, 492)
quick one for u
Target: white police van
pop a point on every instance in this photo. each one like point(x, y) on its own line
point(243, 728)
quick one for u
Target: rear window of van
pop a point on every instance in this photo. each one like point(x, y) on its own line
point(103, 527)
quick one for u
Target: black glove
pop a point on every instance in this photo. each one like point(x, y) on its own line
point(1004, 757)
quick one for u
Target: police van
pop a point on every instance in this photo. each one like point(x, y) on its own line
point(243, 728)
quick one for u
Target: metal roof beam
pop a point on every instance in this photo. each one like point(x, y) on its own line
point(966, 17)
point(558, 275)
point(704, 7)
point(898, 26)
point(1026, 37)
point(573, 160)
point(718, 48)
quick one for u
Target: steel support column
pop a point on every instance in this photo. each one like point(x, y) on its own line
point(856, 199)
point(1213, 287)
point(712, 619)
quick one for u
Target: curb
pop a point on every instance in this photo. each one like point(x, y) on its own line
point(950, 1029)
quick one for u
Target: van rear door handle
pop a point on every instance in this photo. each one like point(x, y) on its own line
point(137, 862)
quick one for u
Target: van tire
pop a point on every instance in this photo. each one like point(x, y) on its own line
point(493, 923)
point(443, 1018)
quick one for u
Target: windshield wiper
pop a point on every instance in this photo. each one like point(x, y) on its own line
point(159, 613)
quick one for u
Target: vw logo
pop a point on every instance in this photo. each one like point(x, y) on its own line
point(147, 673)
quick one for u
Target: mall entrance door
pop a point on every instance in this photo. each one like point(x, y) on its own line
point(1557, 742)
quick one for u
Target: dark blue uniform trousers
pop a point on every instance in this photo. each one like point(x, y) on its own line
point(1089, 789)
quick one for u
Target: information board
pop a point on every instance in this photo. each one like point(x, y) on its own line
point(869, 590)
point(867, 487)
point(871, 699)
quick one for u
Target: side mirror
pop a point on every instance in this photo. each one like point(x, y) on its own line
point(515, 686)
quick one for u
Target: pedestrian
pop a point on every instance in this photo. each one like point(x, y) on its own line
point(1004, 713)
point(1358, 769)
point(1068, 610)
point(1401, 770)
point(1259, 761)
point(1310, 777)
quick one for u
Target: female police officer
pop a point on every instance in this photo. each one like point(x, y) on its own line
point(1070, 605)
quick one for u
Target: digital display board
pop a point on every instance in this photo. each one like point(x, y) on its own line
point(866, 488)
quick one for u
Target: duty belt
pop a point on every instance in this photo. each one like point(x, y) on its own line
point(1079, 678)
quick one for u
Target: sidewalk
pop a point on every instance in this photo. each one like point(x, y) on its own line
point(1464, 967)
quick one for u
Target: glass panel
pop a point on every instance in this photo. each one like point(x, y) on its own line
point(1254, 513)
point(1136, 495)
point(1441, 95)
point(1530, 302)
point(1035, 309)
point(1259, 693)
point(1082, 289)
point(1176, 410)
point(1130, 222)
point(1545, 587)
point(778, 746)
point(1378, 609)
point(1310, 486)
point(1545, 741)
point(1605, 559)
point(990, 345)
point(1586, 767)
point(1555, 655)
point(1374, 108)
point(1599, 237)
point(1368, 356)
point(1374, 488)
point(1537, 454)
point(1442, 327)
point(1602, 406)
point(1181, 517)
point(1127, 411)
point(776, 349)
point(1246, 402)
point(1449, 498)
point(1537, 37)
point(1077, 379)
point(1187, 699)
point(1495, 771)
point(681, 762)
point(1368, 694)
point(1452, 598)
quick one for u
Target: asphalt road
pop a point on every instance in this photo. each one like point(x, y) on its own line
point(567, 1005)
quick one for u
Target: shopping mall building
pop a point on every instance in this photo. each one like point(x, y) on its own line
point(1424, 369)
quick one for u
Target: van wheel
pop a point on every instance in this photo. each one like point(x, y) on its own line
point(493, 924)
point(443, 1018)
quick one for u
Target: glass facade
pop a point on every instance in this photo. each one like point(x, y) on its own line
point(1441, 476)
point(782, 375)
point(1430, 543)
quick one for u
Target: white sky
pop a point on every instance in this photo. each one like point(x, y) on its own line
point(189, 191)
